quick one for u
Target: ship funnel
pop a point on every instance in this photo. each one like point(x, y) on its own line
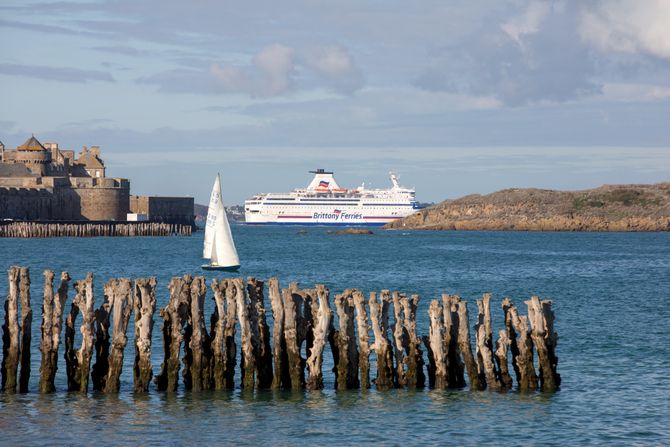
point(394, 180)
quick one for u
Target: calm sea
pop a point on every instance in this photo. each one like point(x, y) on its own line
point(610, 294)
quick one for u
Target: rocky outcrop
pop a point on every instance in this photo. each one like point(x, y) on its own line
point(608, 208)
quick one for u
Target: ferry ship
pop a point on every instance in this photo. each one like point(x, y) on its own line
point(323, 202)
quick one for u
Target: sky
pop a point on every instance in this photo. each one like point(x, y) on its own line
point(456, 97)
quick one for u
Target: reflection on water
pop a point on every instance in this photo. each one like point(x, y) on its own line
point(610, 297)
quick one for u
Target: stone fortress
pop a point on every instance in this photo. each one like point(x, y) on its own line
point(41, 182)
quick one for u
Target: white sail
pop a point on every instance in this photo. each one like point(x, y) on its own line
point(218, 245)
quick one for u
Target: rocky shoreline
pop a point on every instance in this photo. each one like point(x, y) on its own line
point(607, 208)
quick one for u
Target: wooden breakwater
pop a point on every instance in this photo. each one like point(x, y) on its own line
point(92, 229)
point(287, 355)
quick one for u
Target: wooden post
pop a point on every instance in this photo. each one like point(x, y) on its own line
point(295, 361)
point(217, 324)
point(52, 321)
point(400, 345)
point(229, 330)
point(484, 344)
point(438, 363)
point(264, 350)
point(323, 320)
point(144, 305)
point(248, 351)
point(26, 328)
point(101, 366)
point(280, 377)
point(545, 338)
point(464, 343)
point(200, 344)
point(174, 314)
point(78, 363)
point(11, 341)
point(521, 346)
point(502, 346)
point(415, 377)
point(455, 367)
point(363, 338)
point(347, 367)
point(120, 307)
point(381, 345)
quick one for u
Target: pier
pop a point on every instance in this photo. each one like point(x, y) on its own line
point(270, 338)
point(92, 229)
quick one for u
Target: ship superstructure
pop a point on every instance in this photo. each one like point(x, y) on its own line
point(323, 202)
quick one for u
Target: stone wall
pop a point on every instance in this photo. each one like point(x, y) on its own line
point(103, 199)
point(25, 204)
point(164, 209)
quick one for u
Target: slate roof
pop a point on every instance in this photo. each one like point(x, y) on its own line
point(15, 170)
point(31, 144)
point(90, 160)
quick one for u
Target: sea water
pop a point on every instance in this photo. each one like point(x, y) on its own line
point(610, 295)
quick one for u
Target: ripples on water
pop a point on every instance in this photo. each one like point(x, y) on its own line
point(610, 295)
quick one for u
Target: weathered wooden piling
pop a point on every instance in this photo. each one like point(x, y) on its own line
point(437, 369)
point(295, 362)
point(544, 338)
point(52, 321)
point(264, 348)
point(26, 328)
point(484, 344)
point(363, 338)
point(399, 341)
point(144, 305)
point(300, 316)
point(175, 315)
point(197, 374)
point(102, 343)
point(346, 376)
point(477, 380)
point(521, 346)
point(502, 347)
point(121, 305)
point(248, 336)
point(323, 320)
point(381, 346)
point(414, 376)
point(78, 363)
point(281, 378)
point(10, 333)
point(86, 229)
point(455, 367)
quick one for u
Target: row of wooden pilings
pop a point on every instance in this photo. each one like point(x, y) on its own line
point(271, 357)
point(40, 229)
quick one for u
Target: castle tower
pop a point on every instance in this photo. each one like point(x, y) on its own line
point(32, 154)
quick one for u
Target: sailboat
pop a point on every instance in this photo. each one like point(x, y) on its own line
point(219, 247)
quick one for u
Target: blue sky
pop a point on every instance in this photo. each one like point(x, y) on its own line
point(457, 97)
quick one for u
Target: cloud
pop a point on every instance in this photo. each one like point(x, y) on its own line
point(629, 26)
point(269, 74)
point(528, 22)
point(274, 71)
point(336, 67)
point(62, 74)
point(531, 56)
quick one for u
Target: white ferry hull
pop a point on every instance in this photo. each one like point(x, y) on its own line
point(324, 203)
point(321, 218)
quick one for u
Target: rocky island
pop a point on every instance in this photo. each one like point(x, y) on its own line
point(607, 208)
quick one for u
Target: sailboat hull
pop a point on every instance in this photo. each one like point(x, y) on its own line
point(221, 268)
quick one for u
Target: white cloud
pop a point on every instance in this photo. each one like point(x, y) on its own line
point(270, 73)
point(528, 22)
point(334, 65)
point(630, 26)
